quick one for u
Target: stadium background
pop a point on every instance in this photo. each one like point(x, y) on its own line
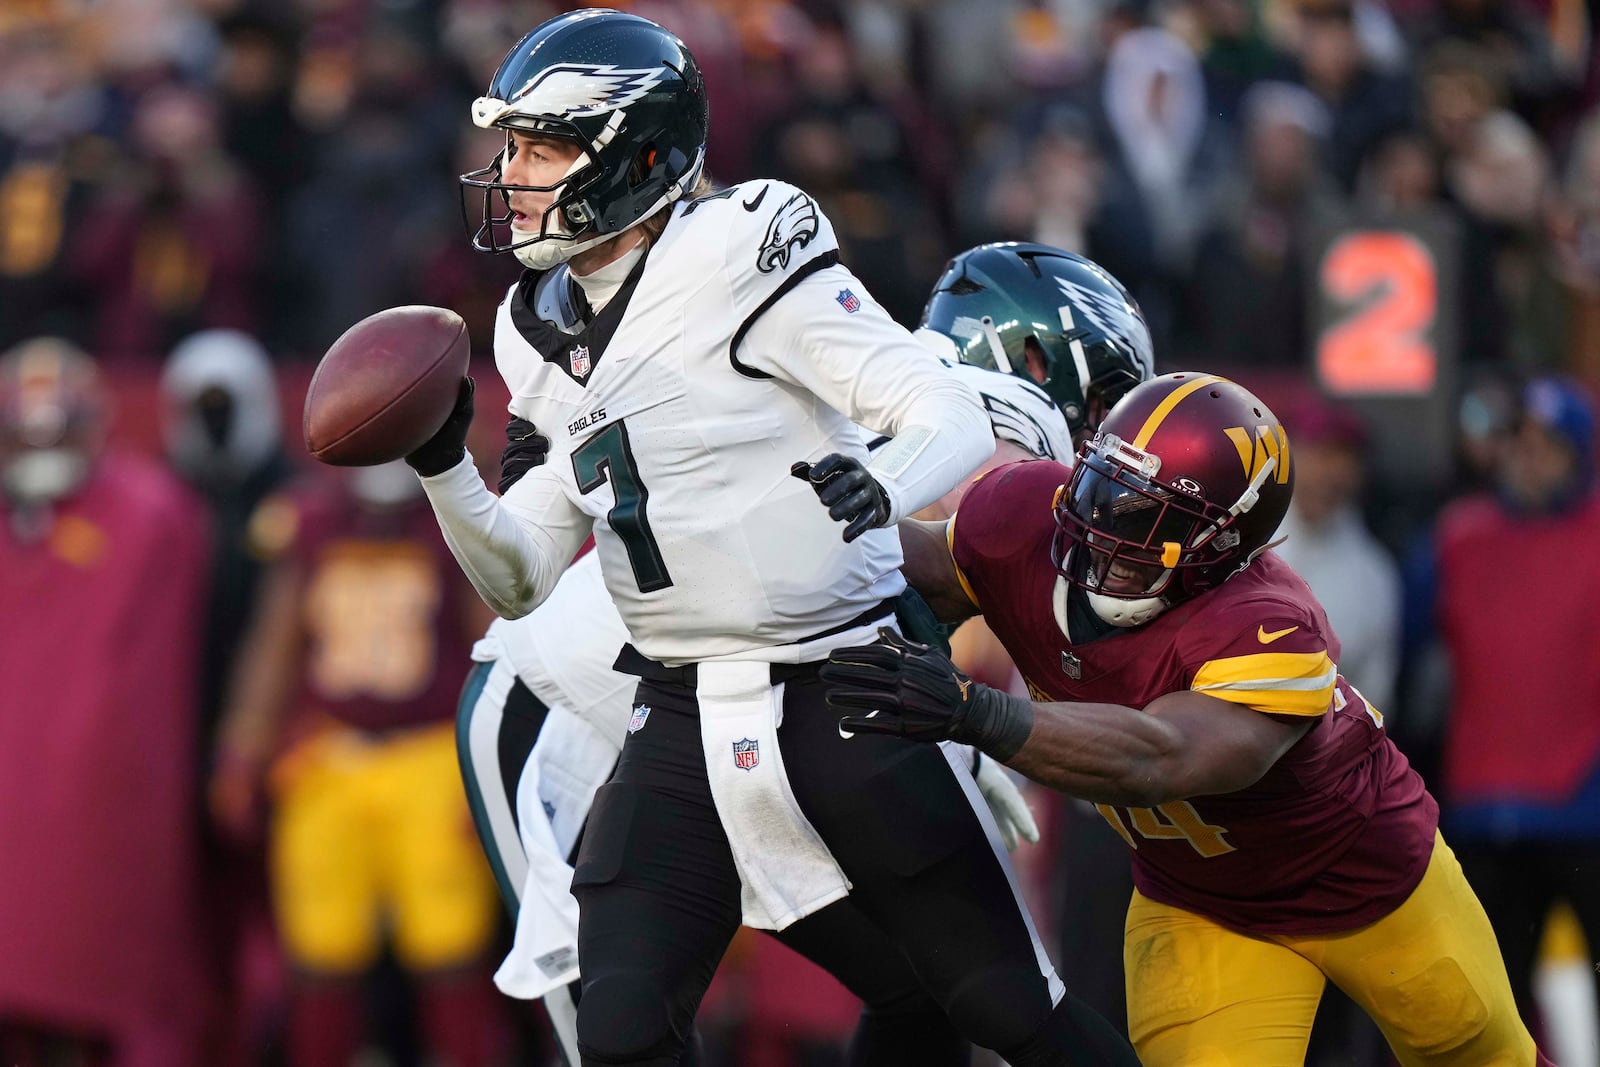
point(1381, 215)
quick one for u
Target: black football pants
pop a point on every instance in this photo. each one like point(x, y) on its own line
point(659, 896)
point(900, 1023)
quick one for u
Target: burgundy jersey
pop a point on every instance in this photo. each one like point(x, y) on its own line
point(386, 643)
point(1512, 650)
point(99, 641)
point(1335, 835)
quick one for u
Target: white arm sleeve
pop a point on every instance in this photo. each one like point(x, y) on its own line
point(512, 548)
point(870, 369)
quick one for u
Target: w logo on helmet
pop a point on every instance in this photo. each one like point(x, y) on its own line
point(1270, 442)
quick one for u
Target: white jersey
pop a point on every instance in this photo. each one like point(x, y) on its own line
point(1020, 412)
point(738, 347)
point(564, 650)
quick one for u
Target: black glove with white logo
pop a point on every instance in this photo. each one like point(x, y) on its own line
point(909, 690)
point(449, 443)
point(848, 490)
point(526, 448)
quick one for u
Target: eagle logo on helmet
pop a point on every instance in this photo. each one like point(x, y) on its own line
point(793, 226)
point(576, 89)
point(1112, 318)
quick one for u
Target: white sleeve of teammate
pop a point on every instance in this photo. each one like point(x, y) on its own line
point(512, 548)
point(867, 367)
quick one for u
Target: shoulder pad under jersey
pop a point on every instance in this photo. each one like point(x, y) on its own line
point(1021, 412)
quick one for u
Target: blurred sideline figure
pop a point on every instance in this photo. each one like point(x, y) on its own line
point(222, 432)
point(1564, 986)
point(102, 575)
point(341, 704)
point(1521, 764)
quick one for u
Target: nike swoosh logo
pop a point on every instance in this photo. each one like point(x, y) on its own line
point(1267, 639)
point(850, 734)
point(752, 205)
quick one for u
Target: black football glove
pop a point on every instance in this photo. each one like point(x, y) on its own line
point(449, 443)
point(526, 448)
point(848, 490)
point(898, 687)
point(909, 690)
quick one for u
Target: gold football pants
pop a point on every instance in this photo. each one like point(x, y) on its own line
point(1429, 974)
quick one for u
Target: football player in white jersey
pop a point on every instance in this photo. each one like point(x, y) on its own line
point(681, 354)
point(544, 716)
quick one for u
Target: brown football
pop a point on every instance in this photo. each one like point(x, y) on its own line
point(385, 386)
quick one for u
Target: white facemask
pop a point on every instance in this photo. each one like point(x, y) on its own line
point(542, 254)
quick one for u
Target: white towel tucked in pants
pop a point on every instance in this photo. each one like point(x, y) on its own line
point(786, 870)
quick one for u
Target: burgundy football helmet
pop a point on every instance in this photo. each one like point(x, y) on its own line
point(1183, 486)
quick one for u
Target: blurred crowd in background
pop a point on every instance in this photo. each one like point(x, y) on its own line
point(1382, 215)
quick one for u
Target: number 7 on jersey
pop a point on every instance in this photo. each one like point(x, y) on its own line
point(607, 457)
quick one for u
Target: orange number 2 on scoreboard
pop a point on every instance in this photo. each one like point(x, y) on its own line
point(1390, 281)
point(1174, 820)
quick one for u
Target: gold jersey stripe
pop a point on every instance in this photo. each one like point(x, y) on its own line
point(1163, 409)
point(1284, 683)
point(950, 542)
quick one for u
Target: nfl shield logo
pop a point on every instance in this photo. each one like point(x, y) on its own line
point(579, 360)
point(746, 754)
point(640, 714)
point(849, 301)
point(1071, 665)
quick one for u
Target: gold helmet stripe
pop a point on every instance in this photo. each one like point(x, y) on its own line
point(1170, 401)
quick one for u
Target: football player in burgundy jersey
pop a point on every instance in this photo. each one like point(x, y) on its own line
point(1186, 681)
point(339, 713)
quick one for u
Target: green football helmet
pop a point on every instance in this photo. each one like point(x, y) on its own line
point(622, 89)
point(1047, 315)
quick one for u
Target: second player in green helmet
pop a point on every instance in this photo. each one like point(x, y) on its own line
point(1048, 315)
